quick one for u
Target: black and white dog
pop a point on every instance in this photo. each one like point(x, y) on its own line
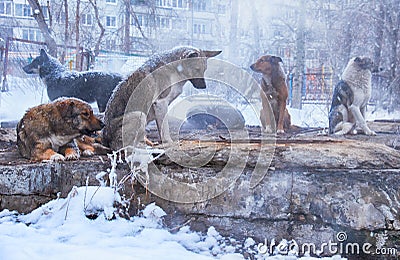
point(350, 98)
point(89, 86)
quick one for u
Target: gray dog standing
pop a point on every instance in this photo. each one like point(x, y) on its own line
point(145, 95)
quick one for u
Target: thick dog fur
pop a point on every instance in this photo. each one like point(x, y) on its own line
point(183, 56)
point(47, 130)
point(89, 86)
point(273, 91)
point(350, 98)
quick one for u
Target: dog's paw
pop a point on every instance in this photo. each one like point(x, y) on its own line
point(370, 132)
point(87, 153)
point(72, 156)
point(57, 158)
point(280, 131)
point(268, 130)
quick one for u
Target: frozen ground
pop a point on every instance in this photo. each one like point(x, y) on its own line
point(60, 229)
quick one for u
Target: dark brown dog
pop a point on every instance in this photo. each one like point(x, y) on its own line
point(274, 91)
point(47, 130)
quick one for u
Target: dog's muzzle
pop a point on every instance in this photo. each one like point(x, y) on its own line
point(28, 69)
point(199, 83)
point(253, 68)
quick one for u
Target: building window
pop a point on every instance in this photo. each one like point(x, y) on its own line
point(111, 21)
point(111, 1)
point(32, 35)
point(111, 44)
point(23, 10)
point(221, 9)
point(200, 5)
point(142, 20)
point(177, 3)
point(138, 2)
point(199, 28)
point(164, 3)
point(5, 8)
point(163, 22)
point(87, 19)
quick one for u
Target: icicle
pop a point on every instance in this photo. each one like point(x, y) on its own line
point(112, 175)
point(120, 157)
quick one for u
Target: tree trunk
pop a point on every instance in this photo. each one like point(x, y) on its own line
point(77, 22)
point(102, 30)
point(127, 38)
point(233, 50)
point(66, 31)
point(379, 35)
point(347, 44)
point(256, 32)
point(39, 17)
point(298, 79)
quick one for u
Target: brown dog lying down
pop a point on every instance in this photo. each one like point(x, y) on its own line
point(273, 91)
point(48, 131)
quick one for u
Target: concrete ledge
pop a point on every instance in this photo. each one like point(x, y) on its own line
point(315, 187)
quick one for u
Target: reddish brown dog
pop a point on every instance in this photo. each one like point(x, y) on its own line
point(47, 132)
point(274, 91)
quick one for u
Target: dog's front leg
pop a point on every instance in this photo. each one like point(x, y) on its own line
point(282, 107)
point(160, 111)
point(360, 121)
point(363, 110)
point(266, 118)
point(70, 151)
point(43, 152)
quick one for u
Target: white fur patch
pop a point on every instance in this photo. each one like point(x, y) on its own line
point(59, 140)
point(57, 157)
point(87, 153)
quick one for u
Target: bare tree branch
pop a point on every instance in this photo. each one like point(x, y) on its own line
point(102, 30)
point(39, 17)
point(50, 14)
point(66, 30)
point(77, 24)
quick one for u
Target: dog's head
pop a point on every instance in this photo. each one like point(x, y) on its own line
point(364, 63)
point(78, 115)
point(196, 65)
point(265, 64)
point(34, 66)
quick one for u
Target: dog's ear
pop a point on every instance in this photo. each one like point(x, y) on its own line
point(277, 59)
point(357, 59)
point(210, 54)
point(66, 109)
point(192, 54)
point(43, 54)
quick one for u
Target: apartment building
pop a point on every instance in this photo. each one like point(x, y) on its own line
point(16, 20)
point(153, 25)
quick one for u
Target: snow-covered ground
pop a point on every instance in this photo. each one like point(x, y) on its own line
point(60, 229)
